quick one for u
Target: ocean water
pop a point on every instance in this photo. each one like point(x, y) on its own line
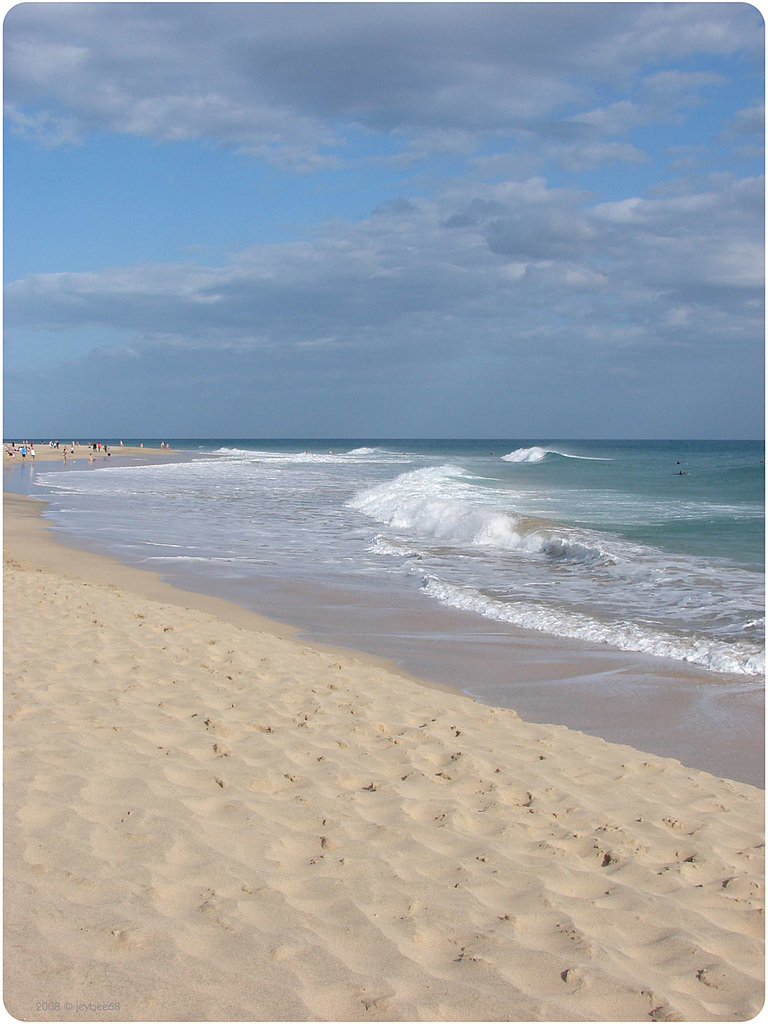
point(602, 542)
point(644, 547)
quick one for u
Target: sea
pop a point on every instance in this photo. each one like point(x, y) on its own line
point(608, 568)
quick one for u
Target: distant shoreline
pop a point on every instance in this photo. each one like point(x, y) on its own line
point(45, 453)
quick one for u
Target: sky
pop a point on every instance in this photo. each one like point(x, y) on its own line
point(503, 220)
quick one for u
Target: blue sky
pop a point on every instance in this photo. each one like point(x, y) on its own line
point(521, 220)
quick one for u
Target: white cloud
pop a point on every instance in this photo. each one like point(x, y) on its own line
point(279, 80)
point(750, 120)
point(595, 154)
point(513, 253)
point(676, 87)
point(496, 273)
point(45, 128)
point(615, 119)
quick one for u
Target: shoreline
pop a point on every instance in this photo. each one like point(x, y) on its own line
point(209, 820)
point(669, 708)
point(24, 526)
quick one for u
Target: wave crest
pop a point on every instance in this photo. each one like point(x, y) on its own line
point(715, 655)
point(537, 454)
point(528, 455)
point(436, 505)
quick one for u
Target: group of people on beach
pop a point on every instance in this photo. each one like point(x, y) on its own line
point(99, 449)
point(22, 448)
point(25, 448)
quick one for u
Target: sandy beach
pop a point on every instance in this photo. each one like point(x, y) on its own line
point(44, 453)
point(207, 819)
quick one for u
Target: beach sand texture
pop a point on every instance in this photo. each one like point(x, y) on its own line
point(207, 821)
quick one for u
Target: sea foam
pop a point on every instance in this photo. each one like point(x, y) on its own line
point(626, 636)
point(563, 579)
point(537, 454)
point(441, 505)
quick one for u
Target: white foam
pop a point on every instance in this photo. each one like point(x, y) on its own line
point(383, 546)
point(257, 455)
point(527, 455)
point(209, 559)
point(442, 505)
point(362, 454)
point(537, 454)
point(627, 636)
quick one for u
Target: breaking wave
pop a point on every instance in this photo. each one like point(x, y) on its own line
point(536, 454)
point(716, 655)
point(566, 580)
point(441, 506)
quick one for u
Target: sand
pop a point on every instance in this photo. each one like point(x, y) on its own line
point(209, 820)
point(43, 453)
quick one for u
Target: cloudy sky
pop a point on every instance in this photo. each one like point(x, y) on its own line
point(522, 220)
